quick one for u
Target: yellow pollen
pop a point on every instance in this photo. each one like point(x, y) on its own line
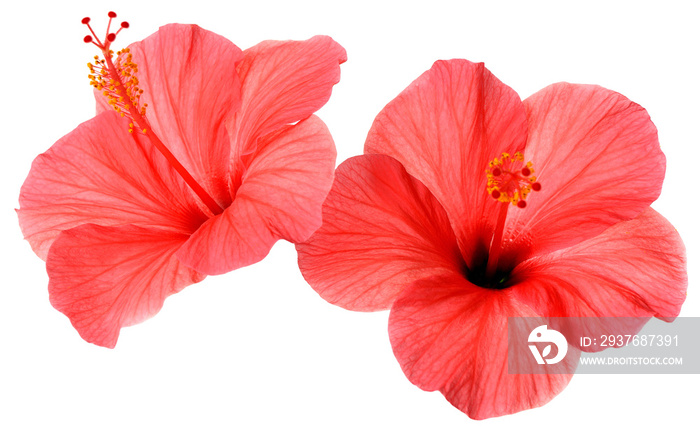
point(124, 95)
point(510, 179)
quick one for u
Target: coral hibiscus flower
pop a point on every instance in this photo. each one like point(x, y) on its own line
point(200, 158)
point(470, 206)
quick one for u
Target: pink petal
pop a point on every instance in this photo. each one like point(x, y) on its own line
point(445, 128)
point(382, 229)
point(106, 278)
point(191, 86)
point(597, 156)
point(283, 82)
point(635, 268)
point(289, 176)
point(452, 336)
point(100, 173)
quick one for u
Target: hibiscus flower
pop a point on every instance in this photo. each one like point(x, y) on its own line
point(470, 206)
point(201, 156)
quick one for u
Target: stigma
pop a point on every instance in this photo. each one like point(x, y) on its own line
point(510, 179)
point(116, 77)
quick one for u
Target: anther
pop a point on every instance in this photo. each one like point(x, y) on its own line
point(509, 179)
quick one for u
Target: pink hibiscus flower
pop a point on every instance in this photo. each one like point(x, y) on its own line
point(471, 206)
point(200, 158)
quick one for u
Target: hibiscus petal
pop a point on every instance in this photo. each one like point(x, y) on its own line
point(106, 278)
point(382, 229)
point(289, 176)
point(597, 156)
point(283, 82)
point(191, 86)
point(451, 336)
point(100, 173)
point(635, 268)
point(445, 128)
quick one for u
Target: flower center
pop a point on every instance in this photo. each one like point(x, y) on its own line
point(118, 83)
point(509, 180)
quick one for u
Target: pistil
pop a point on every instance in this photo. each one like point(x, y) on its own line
point(509, 181)
point(129, 102)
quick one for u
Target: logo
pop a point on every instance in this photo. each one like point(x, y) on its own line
point(549, 336)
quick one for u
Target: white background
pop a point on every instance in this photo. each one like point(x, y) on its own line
point(257, 349)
